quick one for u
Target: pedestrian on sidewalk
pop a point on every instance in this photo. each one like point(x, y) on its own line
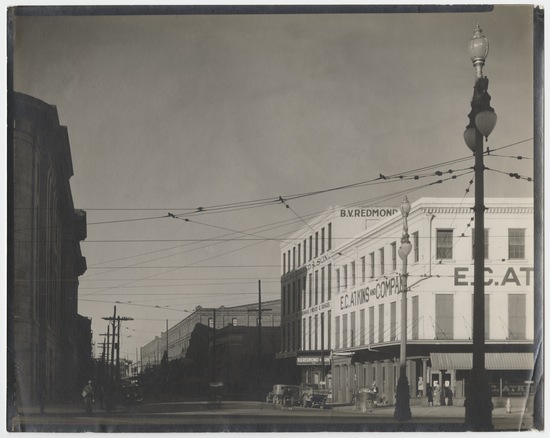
point(88, 396)
point(430, 392)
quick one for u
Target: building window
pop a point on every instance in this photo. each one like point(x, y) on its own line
point(338, 281)
point(316, 333)
point(316, 287)
point(288, 260)
point(305, 252)
point(284, 263)
point(444, 316)
point(293, 336)
point(344, 331)
point(323, 240)
point(303, 292)
point(234, 322)
point(394, 256)
point(309, 333)
point(304, 334)
point(380, 323)
point(372, 265)
point(310, 290)
point(485, 243)
point(516, 243)
point(393, 323)
point(381, 251)
point(337, 333)
point(444, 244)
point(329, 281)
point(322, 285)
point(415, 316)
point(516, 316)
point(415, 246)
point(352, 329)
point(363, 270)
point(329, 243)
point(362, 326)
point(345, 275)
point(299, 254)
point(294, 258)
point(328, 329)
point(211, 322)
point(353, 273)
point(310, 247)
point(371, 325)
point(316, 243)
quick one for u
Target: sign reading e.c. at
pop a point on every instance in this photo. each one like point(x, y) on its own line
point(511, 277)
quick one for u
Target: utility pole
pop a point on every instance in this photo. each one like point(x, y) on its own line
point(259, 322)
point(114, 319)
point(214, 348)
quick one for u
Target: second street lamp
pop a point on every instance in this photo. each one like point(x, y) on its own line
point(478, 416)
point(402, 403)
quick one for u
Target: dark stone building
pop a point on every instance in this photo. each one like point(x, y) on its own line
point(45, 257)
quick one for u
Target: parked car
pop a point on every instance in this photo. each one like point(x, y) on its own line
point(313, 397)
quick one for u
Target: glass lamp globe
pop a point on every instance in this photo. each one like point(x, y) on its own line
point(470, 137)
point(405, 206)
point(485, 122)
point(404, 250)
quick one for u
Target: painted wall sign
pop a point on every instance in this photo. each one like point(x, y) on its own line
point(380, 290)
point(368, 212)
point(521, 277)
point(315, 309)
point(318, 261)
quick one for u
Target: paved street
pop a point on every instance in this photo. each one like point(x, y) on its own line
point(253, 416)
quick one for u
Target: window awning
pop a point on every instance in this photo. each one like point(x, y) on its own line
point(493, 361)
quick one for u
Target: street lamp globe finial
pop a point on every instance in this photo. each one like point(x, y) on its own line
point(479, 49)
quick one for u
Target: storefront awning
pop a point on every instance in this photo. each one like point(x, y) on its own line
point(493, 361)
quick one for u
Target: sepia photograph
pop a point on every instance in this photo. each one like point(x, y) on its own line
point(283, 218)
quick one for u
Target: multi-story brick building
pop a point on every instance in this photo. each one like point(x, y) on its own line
point(47, 260)
point(179, 335)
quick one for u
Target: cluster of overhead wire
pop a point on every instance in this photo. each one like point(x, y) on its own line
point(257, 234)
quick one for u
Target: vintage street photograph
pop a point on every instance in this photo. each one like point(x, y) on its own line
point(274, 218)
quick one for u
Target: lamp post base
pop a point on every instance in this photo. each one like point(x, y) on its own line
point(402, 402)
point(478, 404)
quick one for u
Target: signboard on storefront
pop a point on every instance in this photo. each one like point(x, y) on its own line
point(309, 360)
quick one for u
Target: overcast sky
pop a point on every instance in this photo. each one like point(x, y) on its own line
point(180, 112)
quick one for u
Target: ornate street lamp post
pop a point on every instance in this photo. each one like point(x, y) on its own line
point(478, 416)
point(402, 403)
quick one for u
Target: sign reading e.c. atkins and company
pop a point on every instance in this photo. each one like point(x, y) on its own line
point(373, 213)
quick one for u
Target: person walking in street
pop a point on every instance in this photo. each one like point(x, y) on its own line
point(88, 396)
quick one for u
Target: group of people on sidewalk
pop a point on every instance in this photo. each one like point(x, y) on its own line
point(443, 396)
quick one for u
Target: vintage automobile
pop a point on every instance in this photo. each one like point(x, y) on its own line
point(130, 392)
point(313, 397)
point(281, 391)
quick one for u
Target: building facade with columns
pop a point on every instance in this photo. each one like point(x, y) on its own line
point(362, 313)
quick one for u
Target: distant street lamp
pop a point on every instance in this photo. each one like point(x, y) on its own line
point(402, 403)
point(478, 416)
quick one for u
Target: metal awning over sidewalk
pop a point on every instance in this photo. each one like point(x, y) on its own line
point(493, 361)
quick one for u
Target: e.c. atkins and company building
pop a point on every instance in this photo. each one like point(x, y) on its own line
point(341, 301)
